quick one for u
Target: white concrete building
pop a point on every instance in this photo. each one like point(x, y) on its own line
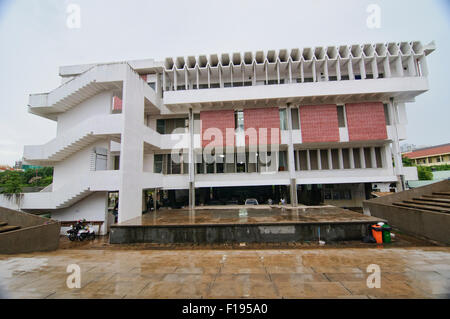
point(335, 116)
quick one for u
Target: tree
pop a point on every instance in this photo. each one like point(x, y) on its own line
point(407, 161)
point(424, 173)
point(13, 184)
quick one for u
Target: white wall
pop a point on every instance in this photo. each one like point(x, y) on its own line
point(92, 208)
point(99, 104)
point(75, 165)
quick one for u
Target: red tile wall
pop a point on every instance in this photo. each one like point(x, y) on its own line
point(366, 121)
point(319, 123)
point(262, 118)
point(222, 120)
point(117, 103)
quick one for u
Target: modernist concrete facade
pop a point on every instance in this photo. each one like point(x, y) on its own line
point(292, 118)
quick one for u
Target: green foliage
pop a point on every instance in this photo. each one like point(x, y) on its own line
point(31, 177)
point(424, 173)
point(407, 161)
point(443, 167)
point(13, 184)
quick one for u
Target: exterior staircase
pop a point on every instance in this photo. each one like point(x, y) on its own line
point(436, 202)
point(74, 139)
point(96, 79)
point(4, 227)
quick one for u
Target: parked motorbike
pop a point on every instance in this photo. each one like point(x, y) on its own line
point(80, 232)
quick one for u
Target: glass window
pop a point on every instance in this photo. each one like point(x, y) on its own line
point(386, 114)
point(161, 126)
point(341, 116)
point(295, 119)
point(239, 121)
point(158, 163)
point(283, 119)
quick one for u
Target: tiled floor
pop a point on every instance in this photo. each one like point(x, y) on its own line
point(295, 273)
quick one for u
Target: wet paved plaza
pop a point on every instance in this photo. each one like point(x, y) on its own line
point(419, 272)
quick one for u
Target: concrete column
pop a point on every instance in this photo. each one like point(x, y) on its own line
point(319, 160)
point(330, 159)
point(373, 157)
point(351, 158)
point(362, 157)
point(191, 161)
point(308, 160)
point(396, 147)
point(291, 159)
point(341, 159)
point(131, 147)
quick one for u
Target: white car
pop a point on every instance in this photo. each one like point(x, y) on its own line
point(251, 201)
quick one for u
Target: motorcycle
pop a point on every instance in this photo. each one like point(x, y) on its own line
point(81, 232)
point(86, 232)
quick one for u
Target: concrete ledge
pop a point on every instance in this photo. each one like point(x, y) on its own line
point(232, 233)
point(36, 233)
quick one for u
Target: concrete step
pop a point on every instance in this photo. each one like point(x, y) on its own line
point(423, 202)
point(422, 207)
point(433, 198)
point(442, 194)
point(5, 229)
point(3, 223)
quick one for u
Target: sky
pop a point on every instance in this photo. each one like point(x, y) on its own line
point(35, 40)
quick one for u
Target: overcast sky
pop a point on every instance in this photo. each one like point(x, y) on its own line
point(35, 41)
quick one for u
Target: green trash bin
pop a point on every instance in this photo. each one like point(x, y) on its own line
point(386, 233)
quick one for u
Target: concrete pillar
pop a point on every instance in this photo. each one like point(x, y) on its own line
point(191, 161)
point(330, 159)
point(341, 159)
point(131, 147)
point(362, 157)
point(396, 147)
point(308, 160)
point(319, 160)
point(351, 158)
point(373, 157)
point(291, 159)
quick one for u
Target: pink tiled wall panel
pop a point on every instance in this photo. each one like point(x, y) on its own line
point(366, 121)
point(319, 123)
point(221, 120)
point(268, 118)
point(117, 104)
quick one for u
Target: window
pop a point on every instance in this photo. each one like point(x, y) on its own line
point(295, 119)
point(152, 85)
point(167, 126)
point(386, 114)
point(240, 162)
point(158, 163)
point(196, 123)
point(283, 120)
point(117, 162)
point(239, 121)
point(282, 165)
point(101, 156)
point(199, 163)
point(161, 126)
point(341, 116)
